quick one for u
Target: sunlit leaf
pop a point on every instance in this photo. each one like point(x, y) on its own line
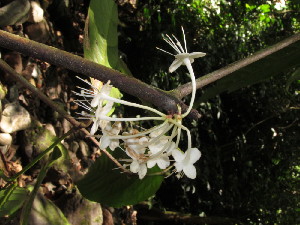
point(101, 35)
point(46, 212)
point(14, 200)
point(101, 39)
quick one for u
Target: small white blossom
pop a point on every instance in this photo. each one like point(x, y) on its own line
point(106, 140)
point(159, 150)
point(98, 106)
point(136, 144)
point(98, 122)
point(138, 167)
point(162, 161)
point(185, 161)
point(182, 57)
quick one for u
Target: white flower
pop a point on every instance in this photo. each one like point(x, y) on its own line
point(185, 161)
point(138, 167)
point(106, 140)
point(159, 150)
point(101, 111)
point(136, 144)
point(98, 106)
point(98, 93)
point(182, 57)
point(162, 161)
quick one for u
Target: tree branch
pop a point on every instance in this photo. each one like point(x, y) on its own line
point(130, 85)
point(186, 89)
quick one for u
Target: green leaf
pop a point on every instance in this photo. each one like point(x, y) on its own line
point(101, 38)
point(27, 209)
point(259, 71)
point(15, 198)
point(55, 155)
point(107, 185)
point(46, 212)
point(43, 140)
point(265, 8)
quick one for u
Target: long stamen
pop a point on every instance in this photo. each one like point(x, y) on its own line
point(178, 137)
point(165, 51)
point(172, 43)
point(154, 140)
point(123, 137)
point(106, 97)
point(184, 39)
point(87, 90)
point(101, 117)
point(179, 44)
point(188, 136)
point(87, 83)
point(83, 105)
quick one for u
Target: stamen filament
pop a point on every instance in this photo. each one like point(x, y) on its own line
point(108, 98)
point(101, 117)
point(123, 137)
point(184, 39)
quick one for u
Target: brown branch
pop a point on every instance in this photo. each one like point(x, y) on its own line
point(130, 85)
point(186, 89)
point(19, 78)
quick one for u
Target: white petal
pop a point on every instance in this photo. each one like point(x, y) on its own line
point(116, 128)
point(106, 89)
point(151, 163)
point(171, 148)
point(158, 145)
point(142, 171)
point(182, 56)
point(178, 155)
point(178, 166)
point(194, 155)
point(134, 166)
point(94, 127)
point(163, 162)
point(195, 55)
point(114, 144)
point(103, 124)
point(174, 66)
point(143, 140)
point(96, 100)
point(190, 171)
point(104, 142)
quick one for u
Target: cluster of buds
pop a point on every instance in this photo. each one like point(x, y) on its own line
point(145, 148)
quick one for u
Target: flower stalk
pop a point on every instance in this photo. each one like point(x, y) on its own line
point(145, 147)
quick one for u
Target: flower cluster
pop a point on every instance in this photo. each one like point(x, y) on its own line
point(145, 148)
